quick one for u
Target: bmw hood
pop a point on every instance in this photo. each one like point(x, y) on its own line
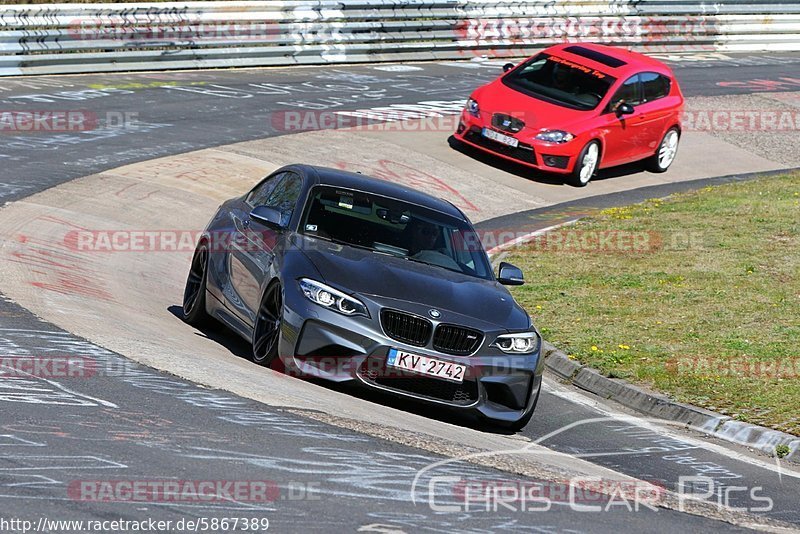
point(355, 270)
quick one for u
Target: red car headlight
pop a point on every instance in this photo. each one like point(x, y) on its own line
point(472, 107)
point(555, 136)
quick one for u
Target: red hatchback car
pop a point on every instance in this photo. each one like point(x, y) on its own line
point(576, 108)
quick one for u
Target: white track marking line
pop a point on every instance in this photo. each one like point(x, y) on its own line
point(65, 389)
point(526, 237)
point(580, 399)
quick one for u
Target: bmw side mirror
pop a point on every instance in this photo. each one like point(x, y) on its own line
point(507, 67)
point(267, 216)
point(624, 109)
point(510, 275)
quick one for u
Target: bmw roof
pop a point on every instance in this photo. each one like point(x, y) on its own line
point(360, 182)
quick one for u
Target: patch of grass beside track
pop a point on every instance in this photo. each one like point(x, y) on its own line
point(706, 310)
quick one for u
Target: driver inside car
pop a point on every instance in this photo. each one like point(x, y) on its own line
point(561, 79)
point(423, 246)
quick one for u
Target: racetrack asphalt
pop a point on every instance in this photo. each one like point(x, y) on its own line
point(160, 427)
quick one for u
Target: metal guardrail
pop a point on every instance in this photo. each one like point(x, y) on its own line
point(75, 38)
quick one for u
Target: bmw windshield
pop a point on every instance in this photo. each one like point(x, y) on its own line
point(390, 226)
point(560, 81)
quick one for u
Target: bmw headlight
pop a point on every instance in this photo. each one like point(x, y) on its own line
point(472, 107)
point(555, 136)
point(522, 343)
point(330, 298)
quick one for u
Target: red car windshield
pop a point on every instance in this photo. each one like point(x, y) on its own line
point(560, 81)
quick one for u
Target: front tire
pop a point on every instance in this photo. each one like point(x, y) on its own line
point(665, 155)
point(267, 330)
point(194, 294)
point(586, 164)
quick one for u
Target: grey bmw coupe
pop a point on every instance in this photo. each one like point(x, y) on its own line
point(354, 279)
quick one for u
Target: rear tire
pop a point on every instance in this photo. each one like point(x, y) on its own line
point(586, 164)
point(667, 150)
point(194, 294)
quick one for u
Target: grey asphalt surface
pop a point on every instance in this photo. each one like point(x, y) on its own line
point(141, 424)
point(184, 111)
point(129, 423)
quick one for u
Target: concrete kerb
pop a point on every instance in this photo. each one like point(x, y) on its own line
point(653, 404)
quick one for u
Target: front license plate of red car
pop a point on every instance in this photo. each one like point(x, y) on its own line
point(500, 138)
point(426, 366)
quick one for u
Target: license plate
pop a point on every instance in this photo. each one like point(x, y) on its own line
point(500, 138)
point(426, 366)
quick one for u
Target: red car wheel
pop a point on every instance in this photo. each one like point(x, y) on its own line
point(665, 155)
point(586, 164)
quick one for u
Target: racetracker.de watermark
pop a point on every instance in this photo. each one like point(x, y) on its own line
point(64, 121)
point(32, 121)
point(564, 240)
point(377, 120)
point(524, 29)
point(48, 367)
point(741, 120)
point(184, 491)
point(146, 26)
point(104, 241)
point(390, 119)
point(742, 366)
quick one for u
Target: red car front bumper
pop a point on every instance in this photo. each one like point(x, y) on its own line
point(549, 157)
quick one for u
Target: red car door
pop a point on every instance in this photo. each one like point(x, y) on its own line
point(624, 134)
point(655, 110)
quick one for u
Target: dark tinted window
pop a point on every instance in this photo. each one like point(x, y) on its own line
point(629, 92)
point(259, 194)
point(600, 57)
point(283, 195)
point(654, 86)
point(393, 227)
point(560, 81)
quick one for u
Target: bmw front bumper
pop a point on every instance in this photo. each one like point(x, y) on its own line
point(318, 342)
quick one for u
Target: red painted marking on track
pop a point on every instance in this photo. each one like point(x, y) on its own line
point(56, 268)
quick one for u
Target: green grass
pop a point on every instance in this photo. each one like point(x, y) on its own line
point(705, 314)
